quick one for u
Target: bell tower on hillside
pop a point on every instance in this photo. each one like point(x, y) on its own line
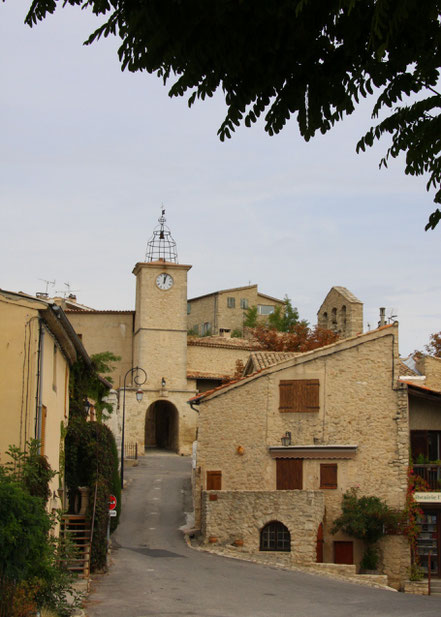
point(160, 334)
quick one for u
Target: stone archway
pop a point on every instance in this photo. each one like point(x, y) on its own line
point(162, 426)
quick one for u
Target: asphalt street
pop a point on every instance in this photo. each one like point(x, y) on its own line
point(155, 574)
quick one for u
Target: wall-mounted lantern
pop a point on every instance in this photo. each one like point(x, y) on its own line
point(286, 439)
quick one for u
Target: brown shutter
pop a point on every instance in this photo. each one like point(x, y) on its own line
point(214, 480)
point(328, 475)
point(286, 391)
point(289, 472)
point(299, 395)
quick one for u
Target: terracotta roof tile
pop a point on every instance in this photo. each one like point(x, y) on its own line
point(220, 341)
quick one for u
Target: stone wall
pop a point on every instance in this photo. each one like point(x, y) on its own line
point(341, 312)
point(240, 515)
point(359, 405)
point(213, 359)
point(431, 368)
point(107, 331)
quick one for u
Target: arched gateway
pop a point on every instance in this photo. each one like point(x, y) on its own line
point(162, 426)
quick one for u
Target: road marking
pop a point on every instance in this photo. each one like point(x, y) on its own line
point(157, 488)
point(154, 512)
point(152, 528)
point(155, 498)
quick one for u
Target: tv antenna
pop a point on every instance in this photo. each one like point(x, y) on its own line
point(392, 317)
point(45, 294)
point(68, 291)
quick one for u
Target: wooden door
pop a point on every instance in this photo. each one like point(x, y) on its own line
point(343, 552)
point(289, 473)
point(319, 548)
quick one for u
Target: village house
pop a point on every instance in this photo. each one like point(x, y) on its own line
point(278, 448)
point(223, 312)
point(152, 340)
point(38, 347)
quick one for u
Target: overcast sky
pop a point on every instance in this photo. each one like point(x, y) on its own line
point(89, 154)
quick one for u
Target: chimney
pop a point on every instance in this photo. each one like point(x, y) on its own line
point(382, 321)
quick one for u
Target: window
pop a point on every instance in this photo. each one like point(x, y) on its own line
point(425, 445)
point(231, 302)
point(343, 552)
point(188, 308)
point(243, 303)
point(289, 474)
point(299, 395)
point(195, 329)
point(206, 329)
point(328, 475)
point(214, 480)
point(265, 309)
point(275, 537)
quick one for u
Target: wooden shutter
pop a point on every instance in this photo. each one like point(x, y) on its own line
point(328, 475)
point(289, 472)
point(214, 480)
point(344, 552)
point(299, 395)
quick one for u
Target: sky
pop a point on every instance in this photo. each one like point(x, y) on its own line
point(89, 156)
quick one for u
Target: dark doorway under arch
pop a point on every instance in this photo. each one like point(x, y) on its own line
point(161, 426)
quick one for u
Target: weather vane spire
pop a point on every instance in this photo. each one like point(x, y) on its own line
point(161, 245)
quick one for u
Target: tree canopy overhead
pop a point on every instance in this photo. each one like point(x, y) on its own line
point(303, 58)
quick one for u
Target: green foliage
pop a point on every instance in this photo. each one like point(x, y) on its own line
point(313, 61)
point(31, 571)
point(370, 559)
point(284, 317)
point(31, 469)
point(250, 317)
point(85, 382)
point(24, 528)
point(365, 518)
point(92, 460)
point(237, 333)
point(415, 572)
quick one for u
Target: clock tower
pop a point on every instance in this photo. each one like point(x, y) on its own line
point(160, 345)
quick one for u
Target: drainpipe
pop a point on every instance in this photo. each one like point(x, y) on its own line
point(38, 395)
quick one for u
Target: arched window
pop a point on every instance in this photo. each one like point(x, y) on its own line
point(275, 537)
point(325, 320)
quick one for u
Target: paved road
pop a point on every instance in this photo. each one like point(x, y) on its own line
point(155, 574)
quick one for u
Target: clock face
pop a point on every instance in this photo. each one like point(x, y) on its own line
point(164, 281)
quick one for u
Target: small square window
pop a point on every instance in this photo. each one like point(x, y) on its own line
point(243, 303)
point(231, 302)
point(328, 475)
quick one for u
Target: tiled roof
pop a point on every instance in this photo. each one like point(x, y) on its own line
point(262, 359)
point(304, 356)
point(347, 294)
point(205, 375)
point(422, 388)
point(221, 341)
point(98, 312)
point(403, 369)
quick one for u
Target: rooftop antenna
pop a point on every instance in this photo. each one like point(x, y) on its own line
point(161, 246)
point(45, 294)
point(392, 317)
point(68, 291)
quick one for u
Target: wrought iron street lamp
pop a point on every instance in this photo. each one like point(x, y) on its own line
point(139, 378)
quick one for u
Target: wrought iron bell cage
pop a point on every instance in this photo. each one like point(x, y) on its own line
point(161, 246)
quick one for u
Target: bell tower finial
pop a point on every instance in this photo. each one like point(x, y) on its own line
point(161, 246)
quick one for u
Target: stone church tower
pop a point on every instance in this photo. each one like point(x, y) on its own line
point(163, 419)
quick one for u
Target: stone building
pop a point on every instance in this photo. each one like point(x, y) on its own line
point(38, 347)
point(154, 338)
point(278, 448)
point(222, 312)
point(341, 312)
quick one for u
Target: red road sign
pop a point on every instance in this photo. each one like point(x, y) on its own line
point(112, 502)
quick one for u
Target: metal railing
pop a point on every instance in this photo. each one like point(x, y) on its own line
point(431, 473)
point(131, 451)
